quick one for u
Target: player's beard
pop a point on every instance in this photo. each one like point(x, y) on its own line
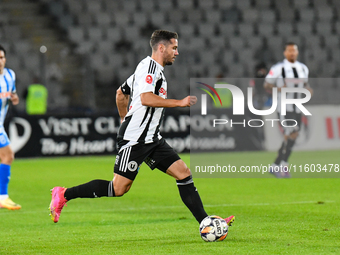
point(168, 60)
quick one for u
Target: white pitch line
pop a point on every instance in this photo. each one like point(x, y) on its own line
point(69, 210)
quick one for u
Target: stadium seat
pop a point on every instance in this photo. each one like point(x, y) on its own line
point(95, 34)
point(284, 29)
point(304, 29)
point(187, 30)
point(255, 42)
point(222, 4)
point(245, 29)
point(236, 43)
point(226, 29)
point(84, 19)
point(85, 47)
point(93, 6)
point(75, 6)
point(320, 3)
point(140, 19)
point(122, 18)
point(158, 19)
point(185, 4)
point(331, 41)
point(76, 34)
point(12, 32)
point(265, 29)
point(242, 4)
point(236, 70)
point(307, 15)
point(206, 5)
point(250, 15)
point(105, 46)
point(113, 34)
point(263, 4)
point(301, 4)
point(267, 16)
point(325, 13)
point(102, 19)
point(130, 6)
point(164, 5)
point(324, 28)
point(131, 32)
point(147, 6)
point(212, 16)
point(275, 43)
point(286, 15)
point(217, 43)
point(194, 16)
point(206, 30)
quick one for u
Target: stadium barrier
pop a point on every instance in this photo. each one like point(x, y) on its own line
point(95, 134)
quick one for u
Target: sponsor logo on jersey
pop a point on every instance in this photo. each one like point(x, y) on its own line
point(162, 91)
point(148, 79)
point(5, 94)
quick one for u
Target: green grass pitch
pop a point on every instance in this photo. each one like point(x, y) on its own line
point(273, 216)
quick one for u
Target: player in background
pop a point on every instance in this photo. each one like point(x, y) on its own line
point(7, 93)
point(139, 138)
point(293, 74)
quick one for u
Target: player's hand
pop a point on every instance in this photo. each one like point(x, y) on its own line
point(188, 101)
point(14, 98)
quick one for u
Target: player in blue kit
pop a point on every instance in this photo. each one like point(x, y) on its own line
point(7, 93)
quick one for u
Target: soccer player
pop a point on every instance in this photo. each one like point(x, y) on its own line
point(7, 93)
point(139, 138)
point(292, 74)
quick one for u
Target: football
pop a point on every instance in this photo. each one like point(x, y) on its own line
point(213, 228)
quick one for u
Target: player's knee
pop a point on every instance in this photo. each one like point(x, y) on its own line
point(7, 158)
point(121, 190)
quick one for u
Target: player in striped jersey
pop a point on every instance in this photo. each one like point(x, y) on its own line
point(292, 74)
point(7, 93)
point(138, 138)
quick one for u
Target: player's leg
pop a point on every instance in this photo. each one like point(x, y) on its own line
point(125, 169)
point(187, 190)
point(6, 157)
point(166, 159)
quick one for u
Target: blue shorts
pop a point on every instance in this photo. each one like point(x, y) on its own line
point(4, 141)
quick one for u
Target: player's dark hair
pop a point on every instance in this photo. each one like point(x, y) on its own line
point(2, 49)
point(162, 36)
point(290, 44)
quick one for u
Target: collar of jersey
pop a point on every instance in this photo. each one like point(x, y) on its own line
point(285, 61)
point(158, 64)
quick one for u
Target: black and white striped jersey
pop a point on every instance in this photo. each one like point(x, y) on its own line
point(142, 123)
point(293, 75)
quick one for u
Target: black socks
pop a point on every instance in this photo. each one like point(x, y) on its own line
point(191, 198)
point(92, 189)
point(285, 151)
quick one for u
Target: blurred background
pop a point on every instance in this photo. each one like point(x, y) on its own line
point(92, 46)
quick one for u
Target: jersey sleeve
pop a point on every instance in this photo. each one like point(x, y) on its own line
point(305, 68)
point(12, 74)
point(146, 77)
point(273, 74)
point(126, 87)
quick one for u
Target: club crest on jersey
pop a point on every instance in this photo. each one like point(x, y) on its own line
point(148, 79)
point(132, 166)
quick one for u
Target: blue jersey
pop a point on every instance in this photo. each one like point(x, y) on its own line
point(7, 86)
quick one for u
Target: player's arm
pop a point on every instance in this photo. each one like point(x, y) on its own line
point(152, 100)
point(14, 98)
point(122, 101)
